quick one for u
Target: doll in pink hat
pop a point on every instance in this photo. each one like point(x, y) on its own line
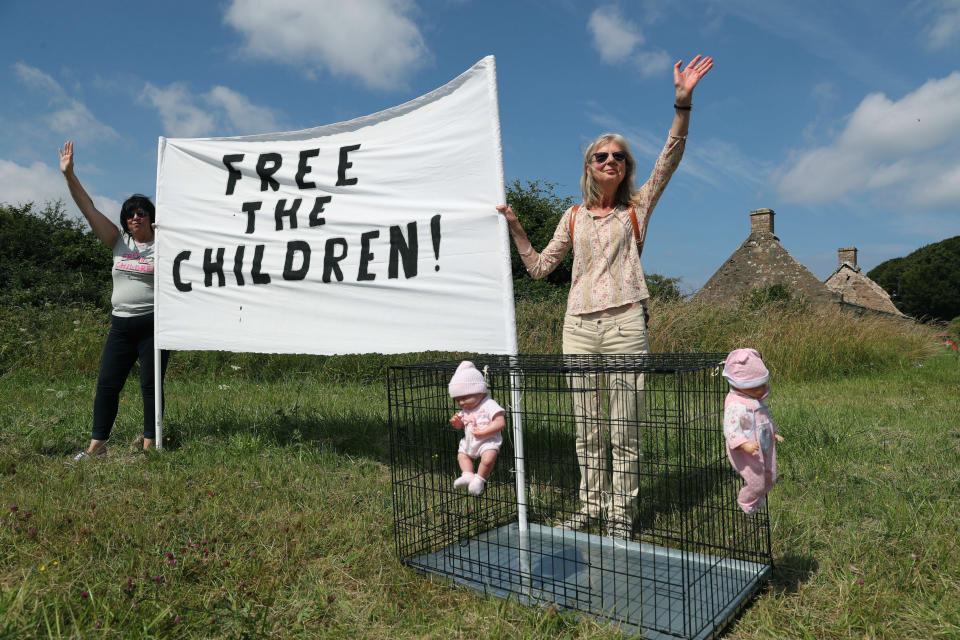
point(748, 428)
point(481, 419)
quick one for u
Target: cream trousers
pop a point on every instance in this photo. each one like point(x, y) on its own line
point(625, 333)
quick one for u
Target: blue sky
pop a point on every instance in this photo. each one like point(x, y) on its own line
point(842, 117)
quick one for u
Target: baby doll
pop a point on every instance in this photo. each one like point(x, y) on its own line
point(748, 428)
point(481, 420)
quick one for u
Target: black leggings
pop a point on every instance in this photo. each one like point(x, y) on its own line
point(129, 339)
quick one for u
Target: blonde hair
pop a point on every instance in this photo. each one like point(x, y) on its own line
point(590, 190)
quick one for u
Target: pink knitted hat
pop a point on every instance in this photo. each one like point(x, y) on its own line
point(744, 369)
point(467, 381)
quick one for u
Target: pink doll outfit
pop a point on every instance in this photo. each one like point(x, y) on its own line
point(479, 416)
point(747, 419)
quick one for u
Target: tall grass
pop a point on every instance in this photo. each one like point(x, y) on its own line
point(798, 341)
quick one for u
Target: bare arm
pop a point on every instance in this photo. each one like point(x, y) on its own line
point(684, 82)
point(101, 225)
point(524, 247)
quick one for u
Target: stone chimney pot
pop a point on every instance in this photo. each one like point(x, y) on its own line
point(761, 221)
point(847, 254)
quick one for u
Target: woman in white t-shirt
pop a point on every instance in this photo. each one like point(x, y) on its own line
point(131, 320)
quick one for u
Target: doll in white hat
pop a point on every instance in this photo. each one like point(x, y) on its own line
point(748, 428)
point(482, 420)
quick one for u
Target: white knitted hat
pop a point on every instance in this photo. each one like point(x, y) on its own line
point(467, 381)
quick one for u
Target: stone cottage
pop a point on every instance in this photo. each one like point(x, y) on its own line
point(855, 287)
point(761, 262)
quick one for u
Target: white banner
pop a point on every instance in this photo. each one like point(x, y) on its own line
point(377, 235)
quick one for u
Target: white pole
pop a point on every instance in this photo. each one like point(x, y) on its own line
point(157, 378)
point(510, 313)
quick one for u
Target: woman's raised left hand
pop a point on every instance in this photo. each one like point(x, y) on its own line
point(684, 80)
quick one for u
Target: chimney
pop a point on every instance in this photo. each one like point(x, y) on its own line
point(847, 254)
point(761, 221)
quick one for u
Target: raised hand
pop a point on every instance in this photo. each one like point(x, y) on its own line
point(684, 80)
point(66, 157)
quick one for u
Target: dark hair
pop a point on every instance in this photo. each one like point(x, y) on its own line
point(136, 202)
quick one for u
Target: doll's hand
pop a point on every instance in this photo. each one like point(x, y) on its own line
point(749, 447)
point(457, 421)
point(778, 437)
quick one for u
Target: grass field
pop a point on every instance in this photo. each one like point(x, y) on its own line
point(269, 514)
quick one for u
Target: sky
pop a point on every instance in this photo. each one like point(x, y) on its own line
point(844, 118)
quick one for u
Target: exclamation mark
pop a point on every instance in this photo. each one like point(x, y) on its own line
point(435, 234)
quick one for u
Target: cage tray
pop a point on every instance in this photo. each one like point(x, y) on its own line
point(586, 572)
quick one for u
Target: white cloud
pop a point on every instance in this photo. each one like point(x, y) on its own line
point(38, 80)
point(654, 63)
point(75, 121)
point(180, 115)
point(220, 111)
point(616, 40)
point(71, 117)
point(613, 36)
point(40, 183)
point(242, 115)
point(372, 40)
point(905, 152)
point(944, 28)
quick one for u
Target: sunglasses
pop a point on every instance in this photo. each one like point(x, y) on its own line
point(601, 156)
point(139, 213)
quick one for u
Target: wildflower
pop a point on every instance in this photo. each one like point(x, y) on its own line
point(44, 568)
point(97, 623)
point(177, 619)
point(84, 595)
point(860, 581)
point(14, 508)
point(55, 563)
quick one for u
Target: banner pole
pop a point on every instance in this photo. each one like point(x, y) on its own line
point(157, 377)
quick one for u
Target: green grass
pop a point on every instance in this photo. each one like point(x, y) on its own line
point(274, 500)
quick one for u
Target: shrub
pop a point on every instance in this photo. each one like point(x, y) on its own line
point(50, 258)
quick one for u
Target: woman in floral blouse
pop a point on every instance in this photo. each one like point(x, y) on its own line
point(607, 302)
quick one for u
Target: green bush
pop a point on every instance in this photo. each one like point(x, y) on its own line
point(50, 258)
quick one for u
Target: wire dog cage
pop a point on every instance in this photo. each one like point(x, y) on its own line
point(612, 494)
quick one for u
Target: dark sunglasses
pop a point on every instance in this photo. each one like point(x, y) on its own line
point(601, 156)
point(140, 213)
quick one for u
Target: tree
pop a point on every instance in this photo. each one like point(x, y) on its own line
point(539, 210)
point(48, 257)
point(926, 283)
